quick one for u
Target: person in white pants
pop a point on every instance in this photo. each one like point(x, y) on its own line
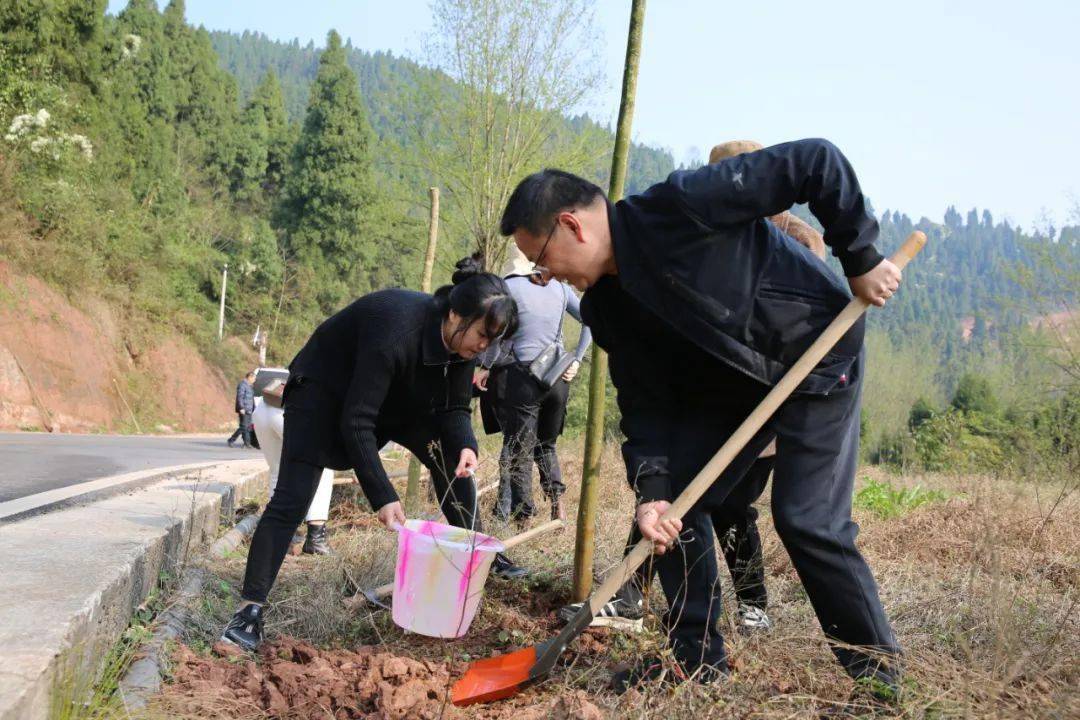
point(269, 422)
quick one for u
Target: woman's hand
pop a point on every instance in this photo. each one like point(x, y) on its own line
point(480, 379)
point(571, 372)
point(391, 514)
point(662, 533)
point(467, 463)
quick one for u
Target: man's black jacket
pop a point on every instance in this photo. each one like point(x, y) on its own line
point(376, 367)
point(697, 252)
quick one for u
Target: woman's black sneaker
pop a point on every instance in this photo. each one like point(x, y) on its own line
point(245, 630)
point(503, 567)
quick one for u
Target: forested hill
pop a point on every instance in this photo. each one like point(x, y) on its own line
point(384, 80)
point(960, 289)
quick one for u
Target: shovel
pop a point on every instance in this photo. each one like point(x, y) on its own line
point(504, 675)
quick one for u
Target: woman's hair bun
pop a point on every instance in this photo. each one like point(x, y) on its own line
point(467, 267)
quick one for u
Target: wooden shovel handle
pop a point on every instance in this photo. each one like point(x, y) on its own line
point(750, 426)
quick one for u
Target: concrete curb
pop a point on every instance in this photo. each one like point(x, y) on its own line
point(143, 678)
point(73, 577)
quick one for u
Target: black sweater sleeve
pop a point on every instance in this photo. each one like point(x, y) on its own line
point(454, 417)
point(763, 183)
point(372, 376)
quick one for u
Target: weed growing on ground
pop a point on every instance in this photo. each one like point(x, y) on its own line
point(886, 501)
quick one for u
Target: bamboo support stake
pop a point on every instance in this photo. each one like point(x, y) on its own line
point(412, 488)
point(594, 429)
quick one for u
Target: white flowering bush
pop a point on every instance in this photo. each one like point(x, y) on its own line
point(130, 46)
point(23, 125)
point(33, 130)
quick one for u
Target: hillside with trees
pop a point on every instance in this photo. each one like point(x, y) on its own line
point(141, 155)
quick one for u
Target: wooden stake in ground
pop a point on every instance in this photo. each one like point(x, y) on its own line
point(46, 416)
point(412, 488)
point(130, 411)
point(594, 427)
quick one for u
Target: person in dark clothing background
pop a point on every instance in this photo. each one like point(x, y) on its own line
point(245, 405)
point(530, 415)
point(394, 365)
point(703, 305)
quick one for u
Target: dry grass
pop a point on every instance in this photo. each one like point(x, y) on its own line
point(982, 588)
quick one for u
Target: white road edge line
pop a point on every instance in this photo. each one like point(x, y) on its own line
point(32, 502)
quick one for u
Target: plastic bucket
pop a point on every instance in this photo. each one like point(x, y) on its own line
point(439, 577)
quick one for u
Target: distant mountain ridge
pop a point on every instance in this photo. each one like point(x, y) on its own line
point(382, 75)
point(960, 289)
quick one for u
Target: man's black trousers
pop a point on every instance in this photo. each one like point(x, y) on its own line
point(298, 480)
point(531, 419)
point(735, 526)
point(817, 452)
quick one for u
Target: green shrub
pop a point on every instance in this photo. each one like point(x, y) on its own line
point(885, 501)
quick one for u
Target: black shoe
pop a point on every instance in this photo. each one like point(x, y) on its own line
point(503, 567)
point(882, 688)
point(231, 442)
point(651, 669)
point(316, 543)
point(245, 630)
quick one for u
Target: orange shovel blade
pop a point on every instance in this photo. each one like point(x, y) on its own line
point(494, 678)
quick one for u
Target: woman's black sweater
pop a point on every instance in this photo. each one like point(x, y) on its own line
point(376, 367)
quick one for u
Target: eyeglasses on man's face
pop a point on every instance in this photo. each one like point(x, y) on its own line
point(540, 274)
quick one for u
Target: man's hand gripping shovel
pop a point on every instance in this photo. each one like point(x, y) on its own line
point(504, 675)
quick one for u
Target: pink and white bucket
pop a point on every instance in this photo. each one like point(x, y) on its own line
point(440, 576)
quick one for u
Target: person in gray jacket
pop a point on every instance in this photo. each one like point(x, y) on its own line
point(245, 405)
point(530, 414)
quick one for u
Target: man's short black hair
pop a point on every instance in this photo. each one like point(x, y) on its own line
point(537, 199)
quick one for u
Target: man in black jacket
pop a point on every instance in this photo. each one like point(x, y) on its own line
point(703, 305)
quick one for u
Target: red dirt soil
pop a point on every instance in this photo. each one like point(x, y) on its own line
point(292, 679)
point(70, 356)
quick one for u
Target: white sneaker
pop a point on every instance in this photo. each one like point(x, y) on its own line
point(753, 619)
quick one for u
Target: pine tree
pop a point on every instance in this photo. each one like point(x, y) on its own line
point(329, 193)
point(248, 153)
point(281, 136)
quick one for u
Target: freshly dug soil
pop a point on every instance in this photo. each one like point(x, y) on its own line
point(295, 680)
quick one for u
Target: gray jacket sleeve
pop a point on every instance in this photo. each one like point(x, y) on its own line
point(573, 306)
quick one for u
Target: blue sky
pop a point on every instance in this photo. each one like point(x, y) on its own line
point(936, 103)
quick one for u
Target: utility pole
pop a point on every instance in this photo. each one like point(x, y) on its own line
point(221, 309)
point(412, 487)
point(594, 427)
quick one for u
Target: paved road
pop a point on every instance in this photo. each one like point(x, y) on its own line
point(35, 462)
